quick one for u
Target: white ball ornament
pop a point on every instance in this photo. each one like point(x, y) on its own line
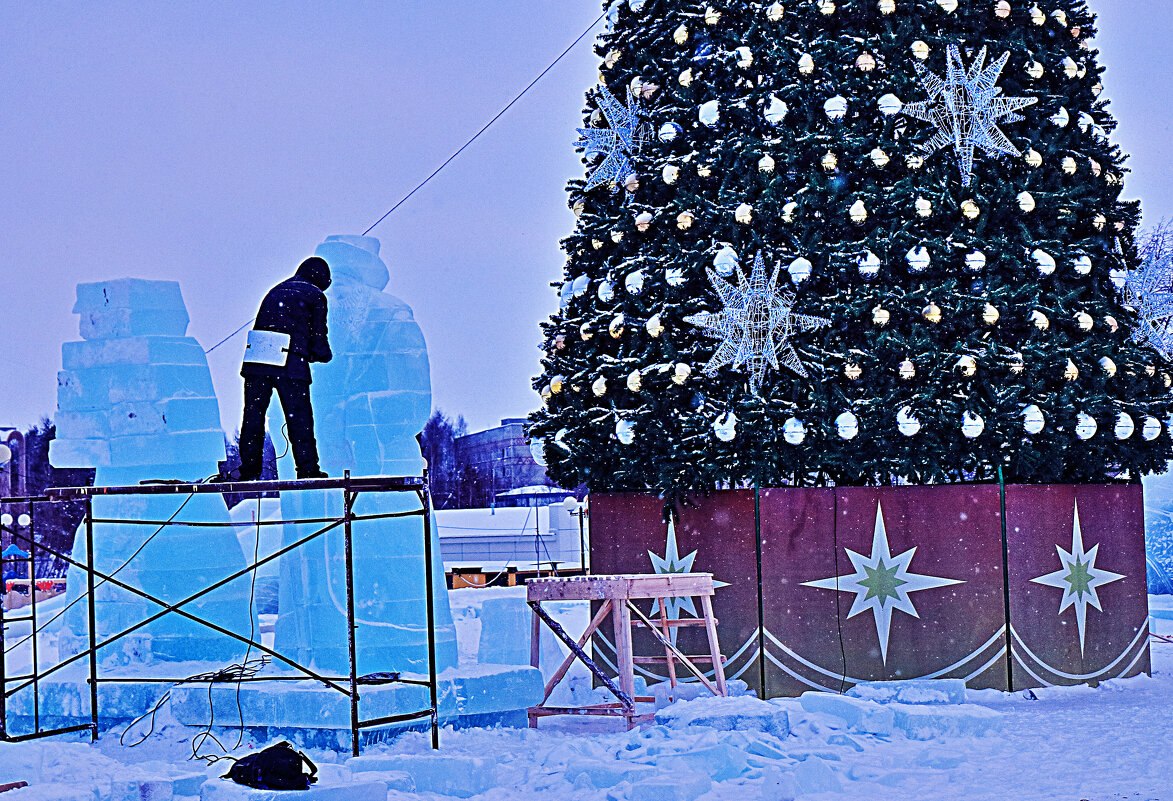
point(923, 207)
point(556, 384)
point(615, 327)
point(835, 108)
point(830, 162)
point(744, 214)
point(866, 62)
point(794, 431)
point(674, 276)
point(725, 427)
point(847, 425)
point(914, 162)
point(1084, 321)
point(1060, 118)
point(712, 16)
point(685, 78)
point(1037, 16)
point(920, 49)
point(634, 381)
point(680, 35)
point(775, 12)
point(880, 158)
point(1151, 428)
point(1033, 420)
point(858, 212)
point(967, 365)
point(775, 111)
point(1083, 265)
point(918, 259)
point(970, 210)
point(680, 373)
point(1034, 159)
point(654, 326)
point(800, 269)
point(826, 7)
point(868, 264)
point(889, 105)
point(788, 211)
point(1039, 320)
point(1026, 202)
point(1118, 277)
point(886, 6)
point(1070, 68)
point(599, 387)
point(684, 220)
point(634, 282)
point(975, 262)
point(1070, 371)
point(537, 450)
point(585, 332)
point(906, 370)
point(606, 292)
point(1108, 366)
point(669, 131)
point(725, 261)
point(670, 173)
point(1035, 70)
point(972, 425)
point(744, 56)
point(1044, 261)
point(709, 113)
point(948, 6)
point(990, 314)
point(580, 286)
point(1085, 426)
point(880, 317)
point(907, 422)
point(560, 439)
point(1002, 9)
point(625, 432)
point(643, 221)
point(806, 64)
point(1060, 16)
point(766, 164)
point(1124, 426)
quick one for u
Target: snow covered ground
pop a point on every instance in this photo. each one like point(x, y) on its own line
point(1108, 742)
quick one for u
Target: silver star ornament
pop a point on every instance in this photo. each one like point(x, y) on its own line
point(756, 324)
point(618, 143)
point(965, 107)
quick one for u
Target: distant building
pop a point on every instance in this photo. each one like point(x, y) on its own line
point(498, 461)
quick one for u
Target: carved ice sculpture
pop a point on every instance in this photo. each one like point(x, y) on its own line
point(369, 403)
point(135, 401)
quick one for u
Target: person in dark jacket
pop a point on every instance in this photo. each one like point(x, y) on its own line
point(288, 335)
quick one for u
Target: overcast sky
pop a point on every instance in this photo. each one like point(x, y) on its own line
point(215, 143)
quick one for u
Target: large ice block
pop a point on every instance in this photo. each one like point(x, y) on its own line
point(135, 401)
point(370, 402)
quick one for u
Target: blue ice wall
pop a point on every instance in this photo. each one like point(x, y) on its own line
point(135, 401)
point(369, 403)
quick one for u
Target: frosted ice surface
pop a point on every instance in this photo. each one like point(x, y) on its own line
point(369, 404)
point(135, 401)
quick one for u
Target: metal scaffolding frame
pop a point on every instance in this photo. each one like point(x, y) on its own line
point(348, 685)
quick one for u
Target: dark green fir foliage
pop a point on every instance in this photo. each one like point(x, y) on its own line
point(685, 54)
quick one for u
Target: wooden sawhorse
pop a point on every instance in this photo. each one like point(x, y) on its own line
point(617, 594)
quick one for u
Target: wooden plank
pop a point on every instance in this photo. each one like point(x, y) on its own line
point(597, 588)
point(714, 645)
point(668, 654)
point(622, 621)
point(535, 640)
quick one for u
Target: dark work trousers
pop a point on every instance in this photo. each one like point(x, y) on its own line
point(299, 420)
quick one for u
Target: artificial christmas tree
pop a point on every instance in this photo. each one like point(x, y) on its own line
point(854, 243)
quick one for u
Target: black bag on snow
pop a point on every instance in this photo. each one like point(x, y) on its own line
point(278, 767)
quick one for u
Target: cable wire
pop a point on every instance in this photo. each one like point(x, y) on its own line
point(448, 160)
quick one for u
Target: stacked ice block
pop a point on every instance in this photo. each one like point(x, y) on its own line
point(370, 402)
point(135, 401)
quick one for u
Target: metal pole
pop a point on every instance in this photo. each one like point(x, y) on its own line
point(1006, 583)
point(582, 538)
point(3, 657)
point(426, 498)
point(33, 618)
point(757, 527)
point(93, 616)
point(348, 535)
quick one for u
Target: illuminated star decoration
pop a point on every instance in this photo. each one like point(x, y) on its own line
point(1149, 290)
point(756, 324)
point(1079, 577)
point(881, 582)
point(965, 107)
point(672, 562)
point(617, 143)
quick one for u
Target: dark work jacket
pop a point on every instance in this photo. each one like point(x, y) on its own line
point(298, 308)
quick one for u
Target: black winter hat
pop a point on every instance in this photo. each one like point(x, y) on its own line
point(316, 271)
